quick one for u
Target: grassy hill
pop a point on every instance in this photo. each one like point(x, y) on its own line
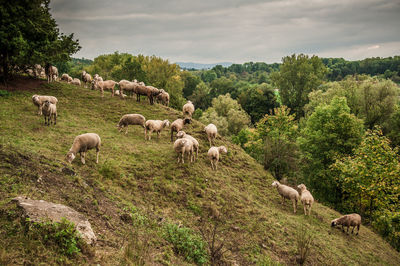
point(143, 206)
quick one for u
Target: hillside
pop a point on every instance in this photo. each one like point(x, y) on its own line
point(138, 191)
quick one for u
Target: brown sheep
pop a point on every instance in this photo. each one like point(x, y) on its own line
point(348, 220)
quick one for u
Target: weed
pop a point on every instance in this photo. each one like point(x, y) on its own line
point(186, 243)
point(304, 242)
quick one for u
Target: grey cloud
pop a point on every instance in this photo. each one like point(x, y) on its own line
point(238, 31)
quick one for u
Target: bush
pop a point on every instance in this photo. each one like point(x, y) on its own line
point(186, 243)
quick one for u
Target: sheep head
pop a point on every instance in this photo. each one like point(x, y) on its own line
point(70, 157)
point(165, 123)
point(275, 183)
point(222, 149)
point(180, 134)
point(301, 187)
point(334, 222)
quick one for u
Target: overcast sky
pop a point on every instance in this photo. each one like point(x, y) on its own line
point(210, 31)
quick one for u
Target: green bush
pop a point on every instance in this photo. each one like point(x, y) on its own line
point(186, 243)
point(4, 93)
point(388, 225)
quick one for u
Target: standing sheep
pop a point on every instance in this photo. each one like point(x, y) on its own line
point(188, 109)
point(131, 119)
point(211, 131)
point(82, 144)
point(51, 72)
point(64, 77)
point(76, 82)
point(127, 87)
point(38, 100)
point(306, 198)
point(182, 146)
point(49, 113)
point(163, 97)
point(182, 134)
point(154, 125)
point(213, 155)
point(86, 78)
point(287, 193)
point(348, 220)
point(177, 126)
point(104, 85)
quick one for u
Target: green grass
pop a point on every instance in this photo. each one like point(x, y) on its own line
point(138, 178)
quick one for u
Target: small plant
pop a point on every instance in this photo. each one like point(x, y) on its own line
point(303, 242)
point(136, 251)
point(4, 93)
point(186, 243)
point(61, 234)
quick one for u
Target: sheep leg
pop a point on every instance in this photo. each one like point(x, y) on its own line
point(97, 154)
point(151, 131)
point(158, 134)
point(126, 132)
point(294, 206)
point(305, 209)
point(172, 135)
point(183, 155)
point(358, 229)
point(55, 119)
point(348, 229)
point(83, 157)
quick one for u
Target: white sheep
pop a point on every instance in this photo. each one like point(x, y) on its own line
point(177, 126)
point(117, 93)
point(86, 78)
point(306, 198)
point(64, 77)
point(182, 146)
point(76, 82)
point(131, 119)
point(154, 125)
point(104, 85)
point(348, 220)
point(38, 100)
point(211, 131)
point(51, 73)
point(163, 97)
point(49, 113)
point(214, 154)
point(196, 145)
point(287, 193)
point(96, 77)
point(82, 144)
point(188, 109)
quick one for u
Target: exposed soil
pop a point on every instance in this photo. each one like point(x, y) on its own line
point(20, 83)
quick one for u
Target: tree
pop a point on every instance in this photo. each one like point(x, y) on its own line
point(29, 35)
point(191, 81)
point(297, 77)
point(201, 96)
point(208, 75)
point(331, 131)
point(228, 113)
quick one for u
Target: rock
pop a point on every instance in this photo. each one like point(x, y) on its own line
point(40, 210)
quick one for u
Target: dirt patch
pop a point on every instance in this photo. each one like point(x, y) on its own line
point(22, 83)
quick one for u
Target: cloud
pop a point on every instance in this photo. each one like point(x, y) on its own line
point(235, 30)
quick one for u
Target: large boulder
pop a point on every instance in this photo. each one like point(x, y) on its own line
point(40, 210)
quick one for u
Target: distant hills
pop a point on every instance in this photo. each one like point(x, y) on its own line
point(190, 65)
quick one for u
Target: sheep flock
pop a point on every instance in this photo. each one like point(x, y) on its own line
point(184, 145)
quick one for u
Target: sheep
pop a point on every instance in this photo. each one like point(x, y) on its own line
point(117, 93)
point(86, 78)
point(148, 91)
point(104, 85)
point(82, 144)
point(130, 119)
point(163, 97)
point(182, 134)
point(64, 77)
point(96, 77)
point(188, 109)
point(306, 198)
point(348, 220)
point(49, 113)
point(177, 126)
point(70, 79)
point(51, 73)
point(211, 131)
point(127, 86)
point(37, 70)
point(287, 193)
point(76, 81)
point(154, 125)
point(182, 146)
point(214, 153)
point(38, 100)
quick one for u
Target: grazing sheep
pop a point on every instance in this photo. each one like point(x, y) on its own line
point(117, 93)
point(188, 109)
point(76, 81)
point(49, 112)
point(51, 73)
point(287, 193)
point(306, 198)
point(348, 220)
point(38, 100)
point(82, 144)
point(163, 97)
point(154, 125)
point(104, 85)
point(177, 126)
point(148, 91)
point(128, 87)
point(182, 134)
point(64, 77)
point(182, 146)
point(96, 77)
point(131, 119)
point(213, 155)
point(70, 79)
point(211, 131)
point(86, 78)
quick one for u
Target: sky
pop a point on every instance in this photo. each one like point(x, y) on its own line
point(237, 31)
